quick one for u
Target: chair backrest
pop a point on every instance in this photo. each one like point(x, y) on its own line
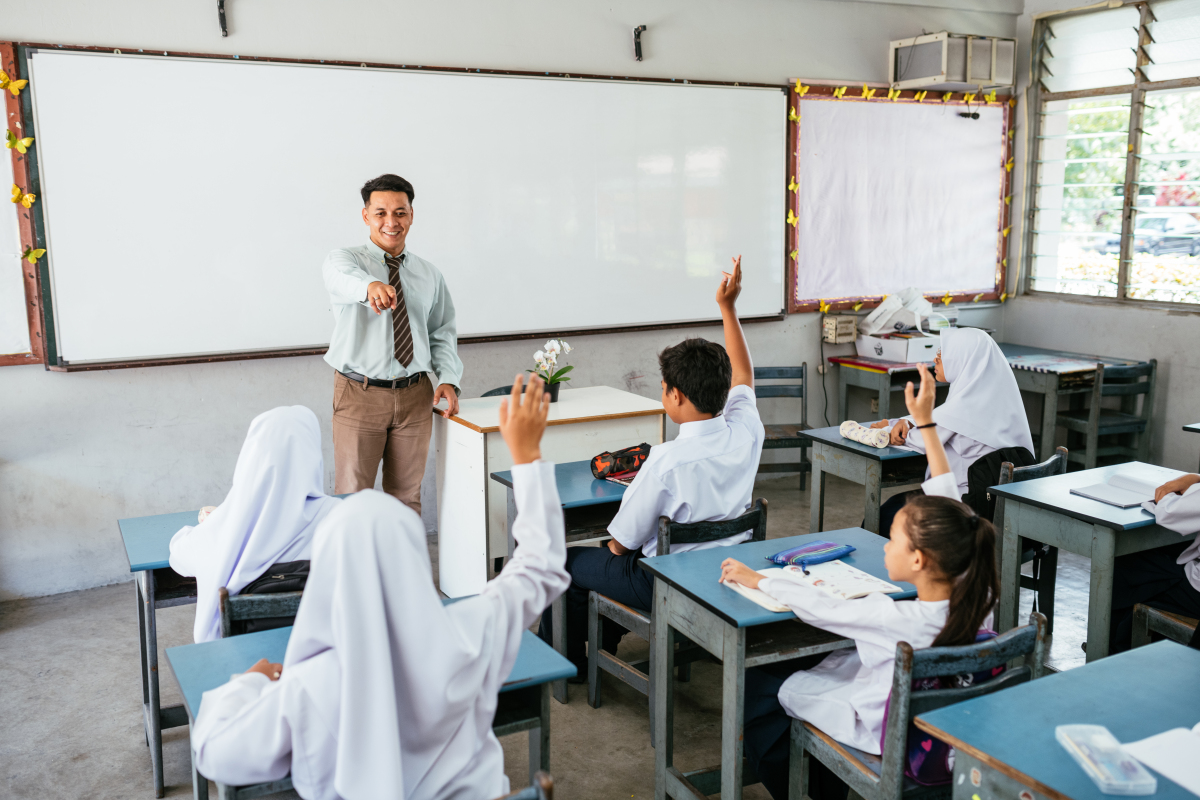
point(933, 662)
point(798, 389)
point(542, 788)
point(754, 520)
point(241, 607)
point(1054, 465)
point(499, 391)
point(1119, 380)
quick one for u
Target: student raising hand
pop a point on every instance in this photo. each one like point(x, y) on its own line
point(523, 420)
point(920, 405)
point(731, 285)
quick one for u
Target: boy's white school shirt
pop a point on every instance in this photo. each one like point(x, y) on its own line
point(385, 692)
point(1181, 513)
point(705, 474)
point(846, 693)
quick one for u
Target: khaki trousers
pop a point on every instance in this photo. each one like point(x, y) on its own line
point(374, 422)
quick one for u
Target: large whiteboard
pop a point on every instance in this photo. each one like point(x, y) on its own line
point(189, 203)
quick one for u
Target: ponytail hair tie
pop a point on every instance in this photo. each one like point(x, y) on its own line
point(973, 522)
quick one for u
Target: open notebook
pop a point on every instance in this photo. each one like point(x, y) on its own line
point(835, 578)
point(1129, 487)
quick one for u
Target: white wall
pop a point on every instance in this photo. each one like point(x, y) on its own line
point(78, 451)
point(1109, 329)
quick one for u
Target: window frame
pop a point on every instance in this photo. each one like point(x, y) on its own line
point(1037, 97)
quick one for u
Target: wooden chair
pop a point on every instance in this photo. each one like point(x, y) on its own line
point(499, 391)
point(640, 621)
point(542, 788)
point(882, 777)
point(780, 437)
point(1044, 557)
point(1175, 627)
point(242, 607)
point(1094, 422)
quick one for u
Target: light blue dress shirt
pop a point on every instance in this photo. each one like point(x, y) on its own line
point(363, 341)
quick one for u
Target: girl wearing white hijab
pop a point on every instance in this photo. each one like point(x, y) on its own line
point(268, 517)
point(385, 692)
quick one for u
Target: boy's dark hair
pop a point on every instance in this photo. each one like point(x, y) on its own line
point(387, 183)
point(700, 369)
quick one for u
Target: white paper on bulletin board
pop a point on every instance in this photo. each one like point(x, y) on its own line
point(895, 195)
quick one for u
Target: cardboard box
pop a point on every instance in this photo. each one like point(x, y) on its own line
point(921, 347)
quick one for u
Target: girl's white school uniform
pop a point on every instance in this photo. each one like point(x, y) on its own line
point(983, 411)
point(385, 692)
point(845, 694)
point(269, 516)
point(1181, 513)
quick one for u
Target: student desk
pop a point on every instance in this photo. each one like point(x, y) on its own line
point(471, 514)
point(148, 548)
point(524, 698)
point(1004, 742)
point(877, 375)
point(1045, 510)
point(588, 506)
point(875, 468)
point(689, 600)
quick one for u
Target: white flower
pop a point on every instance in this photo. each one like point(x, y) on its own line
point(552, 347)
point(566, 348)
point(539, 356)
point(552, 360)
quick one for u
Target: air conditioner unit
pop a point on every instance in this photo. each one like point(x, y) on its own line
point(951, 61)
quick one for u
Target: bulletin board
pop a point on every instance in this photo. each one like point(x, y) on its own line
point(893, 189)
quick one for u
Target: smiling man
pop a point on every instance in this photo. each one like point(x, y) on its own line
point(394, 339)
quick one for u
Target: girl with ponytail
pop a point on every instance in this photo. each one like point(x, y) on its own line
point(938, 544)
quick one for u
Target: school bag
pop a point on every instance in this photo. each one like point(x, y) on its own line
point(629, 460)
point(985, 472)
point(930, 761)
point(286, 576)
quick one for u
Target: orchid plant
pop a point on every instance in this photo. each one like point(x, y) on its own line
point(547, 362)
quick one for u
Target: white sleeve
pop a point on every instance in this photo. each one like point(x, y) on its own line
point(1179, 513)
point(345, 280)
point(183, 553)
point(536, 574)
point(646, 499)
point(944, 485)
point(741, 408)
point(872, 619)
point(240, 735)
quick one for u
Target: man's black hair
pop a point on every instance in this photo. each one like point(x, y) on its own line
point(701, 370)
point(387, 183)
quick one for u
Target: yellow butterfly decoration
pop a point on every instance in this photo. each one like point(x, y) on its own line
point(946, 97)
point(20, 145)
point(838, 92)
point(1004, 232)
point(858, 305)
point(1005, 262)
point(794, 254)
point(801, 89)
point(792, 115)
point(920, 96)
point(21, 197)
point(1011, 131)
point(1012, 102)
point(990, 97)
point(967, 98)
point(793, 186)
point(1003, 296)
point(977, 298)
point(893, 95)
point(1007, 199)
point(946, 299)
point(32, 255)
point(1008, 165)
point(823, 307)
point(8, 83)
point(867, 94)
point(792, 218)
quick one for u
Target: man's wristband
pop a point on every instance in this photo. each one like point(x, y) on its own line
point(928, 425)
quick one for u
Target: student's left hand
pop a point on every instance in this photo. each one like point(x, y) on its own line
point(899, 434)
point(920, 405)
point(734, 571)
point(1177, 486)
point(446, 391)
point(264, 667)
point(731, 286)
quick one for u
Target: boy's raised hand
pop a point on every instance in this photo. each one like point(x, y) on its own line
point(523, 420)
point(731, 285)
point(920, 405)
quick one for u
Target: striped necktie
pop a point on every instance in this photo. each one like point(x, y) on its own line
point(401, 332)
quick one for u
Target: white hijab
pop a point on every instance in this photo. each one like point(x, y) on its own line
point(984, 402)
point(269, 515)
point(414, 693)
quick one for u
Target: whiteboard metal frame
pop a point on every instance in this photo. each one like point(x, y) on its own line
point(55, 363)
point(1004, 227)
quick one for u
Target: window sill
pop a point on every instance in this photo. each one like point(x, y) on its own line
point(1176, 309)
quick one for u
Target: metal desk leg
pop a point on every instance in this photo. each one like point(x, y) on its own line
point(151, 711)
point(1104, 544)
point(664, 692)
point(539, 737)
point(199, 782)
point(1049, 418)
point(843, 385)
point(874, 475)
point(733, 696)
point(1009, 569)
point(885, 395)
point(137, 590)
point(558, 633)
point(816, 497)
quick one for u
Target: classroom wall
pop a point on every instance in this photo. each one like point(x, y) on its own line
point(1109, 328)
point(78, 451)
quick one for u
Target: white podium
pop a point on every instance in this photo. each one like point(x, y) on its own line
point(472, 509)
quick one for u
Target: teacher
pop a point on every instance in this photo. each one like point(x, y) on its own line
point(394, 335)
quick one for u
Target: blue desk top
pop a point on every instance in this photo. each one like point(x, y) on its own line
point(831, 436)
point(201, 667)
point(148, 539)
point(576, 486)
point(1054, 494)
point(1134, 694)
point(697, 572)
